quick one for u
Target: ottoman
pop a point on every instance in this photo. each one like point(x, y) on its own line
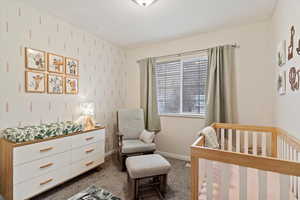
point(151, 166)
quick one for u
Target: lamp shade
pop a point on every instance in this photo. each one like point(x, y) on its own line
point(87, 108)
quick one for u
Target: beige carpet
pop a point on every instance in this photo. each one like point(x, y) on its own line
point(111, 179)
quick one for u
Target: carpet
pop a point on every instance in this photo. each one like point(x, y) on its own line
point(94, 193)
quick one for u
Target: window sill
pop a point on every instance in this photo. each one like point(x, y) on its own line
point(183, 115)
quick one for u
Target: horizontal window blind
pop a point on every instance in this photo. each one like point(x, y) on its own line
point(194, 85)
point(168, 86)
point(181, 85)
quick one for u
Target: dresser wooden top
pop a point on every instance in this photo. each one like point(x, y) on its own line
point(51, 138)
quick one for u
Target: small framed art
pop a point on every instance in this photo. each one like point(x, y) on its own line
point(281, 83)
point(56, 63)
point(281, 53)
point(55, 84)
point(35, 59)
point(71, 85)
point(72, 67)
point(35, 82)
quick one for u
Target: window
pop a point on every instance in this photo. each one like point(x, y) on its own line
point(181, 85)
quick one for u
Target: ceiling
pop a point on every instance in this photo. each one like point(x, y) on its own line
point(127, 24)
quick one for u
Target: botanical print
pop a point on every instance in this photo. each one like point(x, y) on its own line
point(55, 84)
point(281, 83)
point(35, 59)
point(71, 85)
point(72, 67)
point(35, 82)
point(281, 53)
point(55, 63)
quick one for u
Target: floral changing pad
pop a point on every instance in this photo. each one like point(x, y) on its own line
point(30, 133)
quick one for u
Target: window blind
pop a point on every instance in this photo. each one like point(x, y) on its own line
point(168, 75)
point(181, 85)
point(194, 85)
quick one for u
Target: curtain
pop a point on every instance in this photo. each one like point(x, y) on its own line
point(219, 86)
point(148, 94)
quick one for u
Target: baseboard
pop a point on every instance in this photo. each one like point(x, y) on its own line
point(173, 155)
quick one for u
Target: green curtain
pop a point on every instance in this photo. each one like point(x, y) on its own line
point(220, 85)
point(148, 94)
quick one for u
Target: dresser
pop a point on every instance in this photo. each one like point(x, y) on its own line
point(30, 168)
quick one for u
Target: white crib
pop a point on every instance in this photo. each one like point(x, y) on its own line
point(252, 163)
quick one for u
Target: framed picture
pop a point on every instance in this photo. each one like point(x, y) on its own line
point(35, 59)
point(35, 82)
point(56, 63)
point(55, 84)
point(281, 83)
point(72, 67)
point(281, 53)
point(71, 85)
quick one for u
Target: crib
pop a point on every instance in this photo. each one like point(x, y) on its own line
point(253, 162)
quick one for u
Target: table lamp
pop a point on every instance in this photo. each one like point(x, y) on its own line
point(87, 111)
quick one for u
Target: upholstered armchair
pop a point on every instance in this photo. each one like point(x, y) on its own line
point(130, 125)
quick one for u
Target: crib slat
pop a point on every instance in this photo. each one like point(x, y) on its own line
point(229, 140)
point(254, 136)
point(224, 190)
point(209, 178)
point(222, 139)
point(243, 182)
point(238, 145)
point(284, 186)
point(264, 144)
point(298, 178)
point(295, 188)
point(262, 181)
point(246, 142)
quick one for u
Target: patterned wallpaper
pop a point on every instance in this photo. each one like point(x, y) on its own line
point(102, 73)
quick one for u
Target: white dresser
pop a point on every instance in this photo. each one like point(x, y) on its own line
point(27, 169)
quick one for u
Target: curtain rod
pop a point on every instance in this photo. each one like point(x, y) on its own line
point(190, 52)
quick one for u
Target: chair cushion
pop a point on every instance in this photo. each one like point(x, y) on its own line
point(147, 166)
point(136, 146)
point(131, 123)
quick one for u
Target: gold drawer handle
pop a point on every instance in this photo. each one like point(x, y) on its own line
point(89, 138)
point(89, 163)
point(45, 166)
point(47, 181)
point(46, 149)
point(89, 151)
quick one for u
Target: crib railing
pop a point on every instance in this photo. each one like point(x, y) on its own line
point(252, 163)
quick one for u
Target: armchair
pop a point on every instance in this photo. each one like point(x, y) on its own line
point(130, 125)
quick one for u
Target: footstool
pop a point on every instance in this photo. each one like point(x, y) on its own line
point(146, 167)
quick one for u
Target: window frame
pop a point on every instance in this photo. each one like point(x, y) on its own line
point(184, 114)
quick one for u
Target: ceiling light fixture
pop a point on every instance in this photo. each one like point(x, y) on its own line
point(144, 3)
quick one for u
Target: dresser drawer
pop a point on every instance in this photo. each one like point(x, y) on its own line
point(88, 150)
point(86, 164)
point(41, 166)
point(87, 138)
point(36, 151)
point(39, 184)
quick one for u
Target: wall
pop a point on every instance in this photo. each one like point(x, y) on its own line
point(254, 80)
point(102, 78)
point(287, 106)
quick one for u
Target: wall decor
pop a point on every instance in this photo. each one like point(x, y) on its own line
point(56, 63)
point(35, 59)
point(55, 84)
point(281, 53)
point(291, 46)
point(35, 82)
point(281, 83)
point(71, 85)
point(72, 67)
point(294, 78)
point(298, 49)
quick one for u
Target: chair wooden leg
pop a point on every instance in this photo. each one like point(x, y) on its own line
point(164, 183)
point(136, 189)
